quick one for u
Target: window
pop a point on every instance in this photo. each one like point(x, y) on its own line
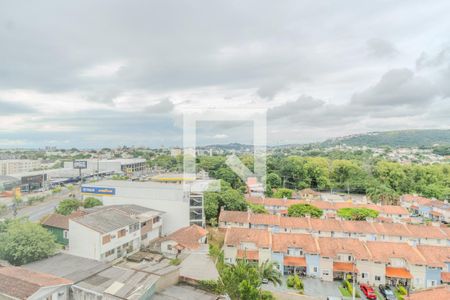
point(121, 233)
point(144, 236)
point(325, 273)
point(349, 258)
point(169, 247)
point(65, 234)
point(110, 252)
point(134, 227)
point(364, 275)
point(156, 219)
point(377, 278)
point(106, 239)
point(315, 269)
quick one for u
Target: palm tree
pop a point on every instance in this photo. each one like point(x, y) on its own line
point(269, 270)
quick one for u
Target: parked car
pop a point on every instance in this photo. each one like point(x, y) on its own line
point(387, 292)
point(368, 291)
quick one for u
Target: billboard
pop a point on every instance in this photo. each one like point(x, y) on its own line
point(80, 164)
point(103, 191)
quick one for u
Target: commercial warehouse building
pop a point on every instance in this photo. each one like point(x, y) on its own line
point(181, 202)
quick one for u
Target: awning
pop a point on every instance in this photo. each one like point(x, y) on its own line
point(344, 267)
point(445, 277)
point(398, 273)
point(294, 261)
point(248, 254)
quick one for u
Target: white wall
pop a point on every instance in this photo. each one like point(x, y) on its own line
point(83, 241)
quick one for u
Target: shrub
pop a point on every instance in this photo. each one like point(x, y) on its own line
point(175, 261)
point(293, 281)
point(402, 290)
point(267, 295)
point(213, 286)
point(92, 202)
point(349, 287)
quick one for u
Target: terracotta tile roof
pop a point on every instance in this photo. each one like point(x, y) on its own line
point(383, 251)
point(274, 201)
point(22, 283)
point(327, 225)
point(440, 292)
point(344, 267)
point(261, 237)
point(436, 213)
point(436, 256)
point(248, 254)
point(415, 199)
point(445, 277)
point(57, 221)
point(398, 273)
point(282, 241)
point(430, 232)
point(393, 229)
point(188, 237)
point(358, 227)
point(294, 222)
point(265, 219)
point(234, 216)
point(294, 261)
point(331, 247)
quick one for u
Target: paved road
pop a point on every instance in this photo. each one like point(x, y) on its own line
point(38, 211)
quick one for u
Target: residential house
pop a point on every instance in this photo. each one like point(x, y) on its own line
point(403, 263)
point(437, 293)
point(110, 232)
point(438, 264)
point(20, 283)
point(58, 225)
point(251, 244)
point(185, 239)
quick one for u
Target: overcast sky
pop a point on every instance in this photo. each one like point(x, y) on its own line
point(107, 73)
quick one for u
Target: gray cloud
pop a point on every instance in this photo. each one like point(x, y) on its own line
point(9, 108)
point(381, 48)
point(397, 87)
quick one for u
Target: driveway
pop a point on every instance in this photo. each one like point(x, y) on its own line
point(314, 289)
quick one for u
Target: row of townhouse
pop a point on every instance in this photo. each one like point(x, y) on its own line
point(362, 230)
point(433, 209)
point(393, 213)
point(372, 262)
point(106, 233)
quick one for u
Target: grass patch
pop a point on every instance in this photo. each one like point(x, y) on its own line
point(344, 292)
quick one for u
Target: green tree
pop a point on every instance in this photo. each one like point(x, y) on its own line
point(274, 180)
point(227, 197)
point(67, 206)
point(357, 213)
point(22, 242)
point(268, 270)
point(283, 193)
point(91, 202)
point(258, 208)
point(301, 210)
point(211, 204)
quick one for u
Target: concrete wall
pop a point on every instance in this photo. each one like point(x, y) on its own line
point(311, 262)
point(230, 254)
point(83, 241)
point(373, 270)
point(326, 266)
point(432, 274)
point(419, 274)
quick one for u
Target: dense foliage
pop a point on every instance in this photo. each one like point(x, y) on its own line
point(227, 197)
point(22, 242)
point(67, 206)
point(91, 202)
point(302, 210)
point(357, 214)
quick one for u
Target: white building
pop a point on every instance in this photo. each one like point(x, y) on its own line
point(15, 166)
point(110, 232)
point(132, 166)
point(182, 203)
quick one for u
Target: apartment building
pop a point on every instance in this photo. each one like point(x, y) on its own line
point(362, 230)
point(111, 232)
point(392, 213)
point(182, 202)
point(16, 166)
point(371, 262)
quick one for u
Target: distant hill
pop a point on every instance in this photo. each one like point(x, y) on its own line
point(395, 139)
